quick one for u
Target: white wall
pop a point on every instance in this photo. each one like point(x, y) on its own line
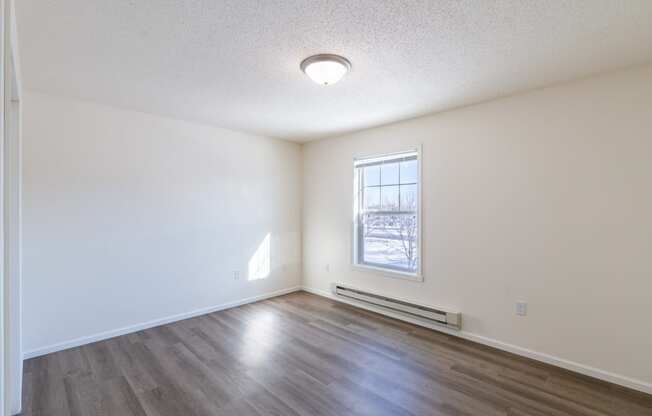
point(544, 197)
point(130, 218)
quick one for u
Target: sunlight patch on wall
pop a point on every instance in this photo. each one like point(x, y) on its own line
point(259, 264)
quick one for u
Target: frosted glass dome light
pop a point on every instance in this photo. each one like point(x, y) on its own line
point(326, 69)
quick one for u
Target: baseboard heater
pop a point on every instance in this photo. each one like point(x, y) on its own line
point(398, 308)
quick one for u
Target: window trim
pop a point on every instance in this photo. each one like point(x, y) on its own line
point(355, 238)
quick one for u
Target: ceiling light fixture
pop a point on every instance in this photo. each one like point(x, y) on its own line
point(325, 69)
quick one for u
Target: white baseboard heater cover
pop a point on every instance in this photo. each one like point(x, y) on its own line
point(410, 310)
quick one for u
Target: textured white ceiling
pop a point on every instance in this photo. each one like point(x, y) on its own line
point(235, 63)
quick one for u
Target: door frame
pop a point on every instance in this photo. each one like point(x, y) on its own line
point(11, 181)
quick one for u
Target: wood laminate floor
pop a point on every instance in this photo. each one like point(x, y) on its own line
point(301, 354)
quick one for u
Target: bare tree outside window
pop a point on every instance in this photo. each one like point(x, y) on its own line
point(407, 225)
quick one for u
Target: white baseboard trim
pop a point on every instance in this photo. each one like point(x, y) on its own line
point(586, 370)
point(150, 324)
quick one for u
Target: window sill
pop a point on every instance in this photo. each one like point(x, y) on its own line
point(396, 274)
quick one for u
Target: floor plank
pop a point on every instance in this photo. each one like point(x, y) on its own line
point(303, 355)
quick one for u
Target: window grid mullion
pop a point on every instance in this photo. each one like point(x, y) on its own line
point(399, 185)
point(377, 186)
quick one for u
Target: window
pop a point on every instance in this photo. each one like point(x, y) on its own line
point(386, 213)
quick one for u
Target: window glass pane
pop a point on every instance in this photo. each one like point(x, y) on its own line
point(390, 241)
point(372, 175)
point(389, 174)
point(409, 171)
point(408, 197)
point(372, 198)
point(389, 198)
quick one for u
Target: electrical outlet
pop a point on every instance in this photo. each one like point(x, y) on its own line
point(236, 275)
point(328, 268)
point(521, 308)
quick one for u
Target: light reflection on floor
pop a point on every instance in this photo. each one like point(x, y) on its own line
point(258, 339)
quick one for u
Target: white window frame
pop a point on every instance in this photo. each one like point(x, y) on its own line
point(389, 272)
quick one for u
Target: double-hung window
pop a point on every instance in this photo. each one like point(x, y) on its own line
point(386, 213)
